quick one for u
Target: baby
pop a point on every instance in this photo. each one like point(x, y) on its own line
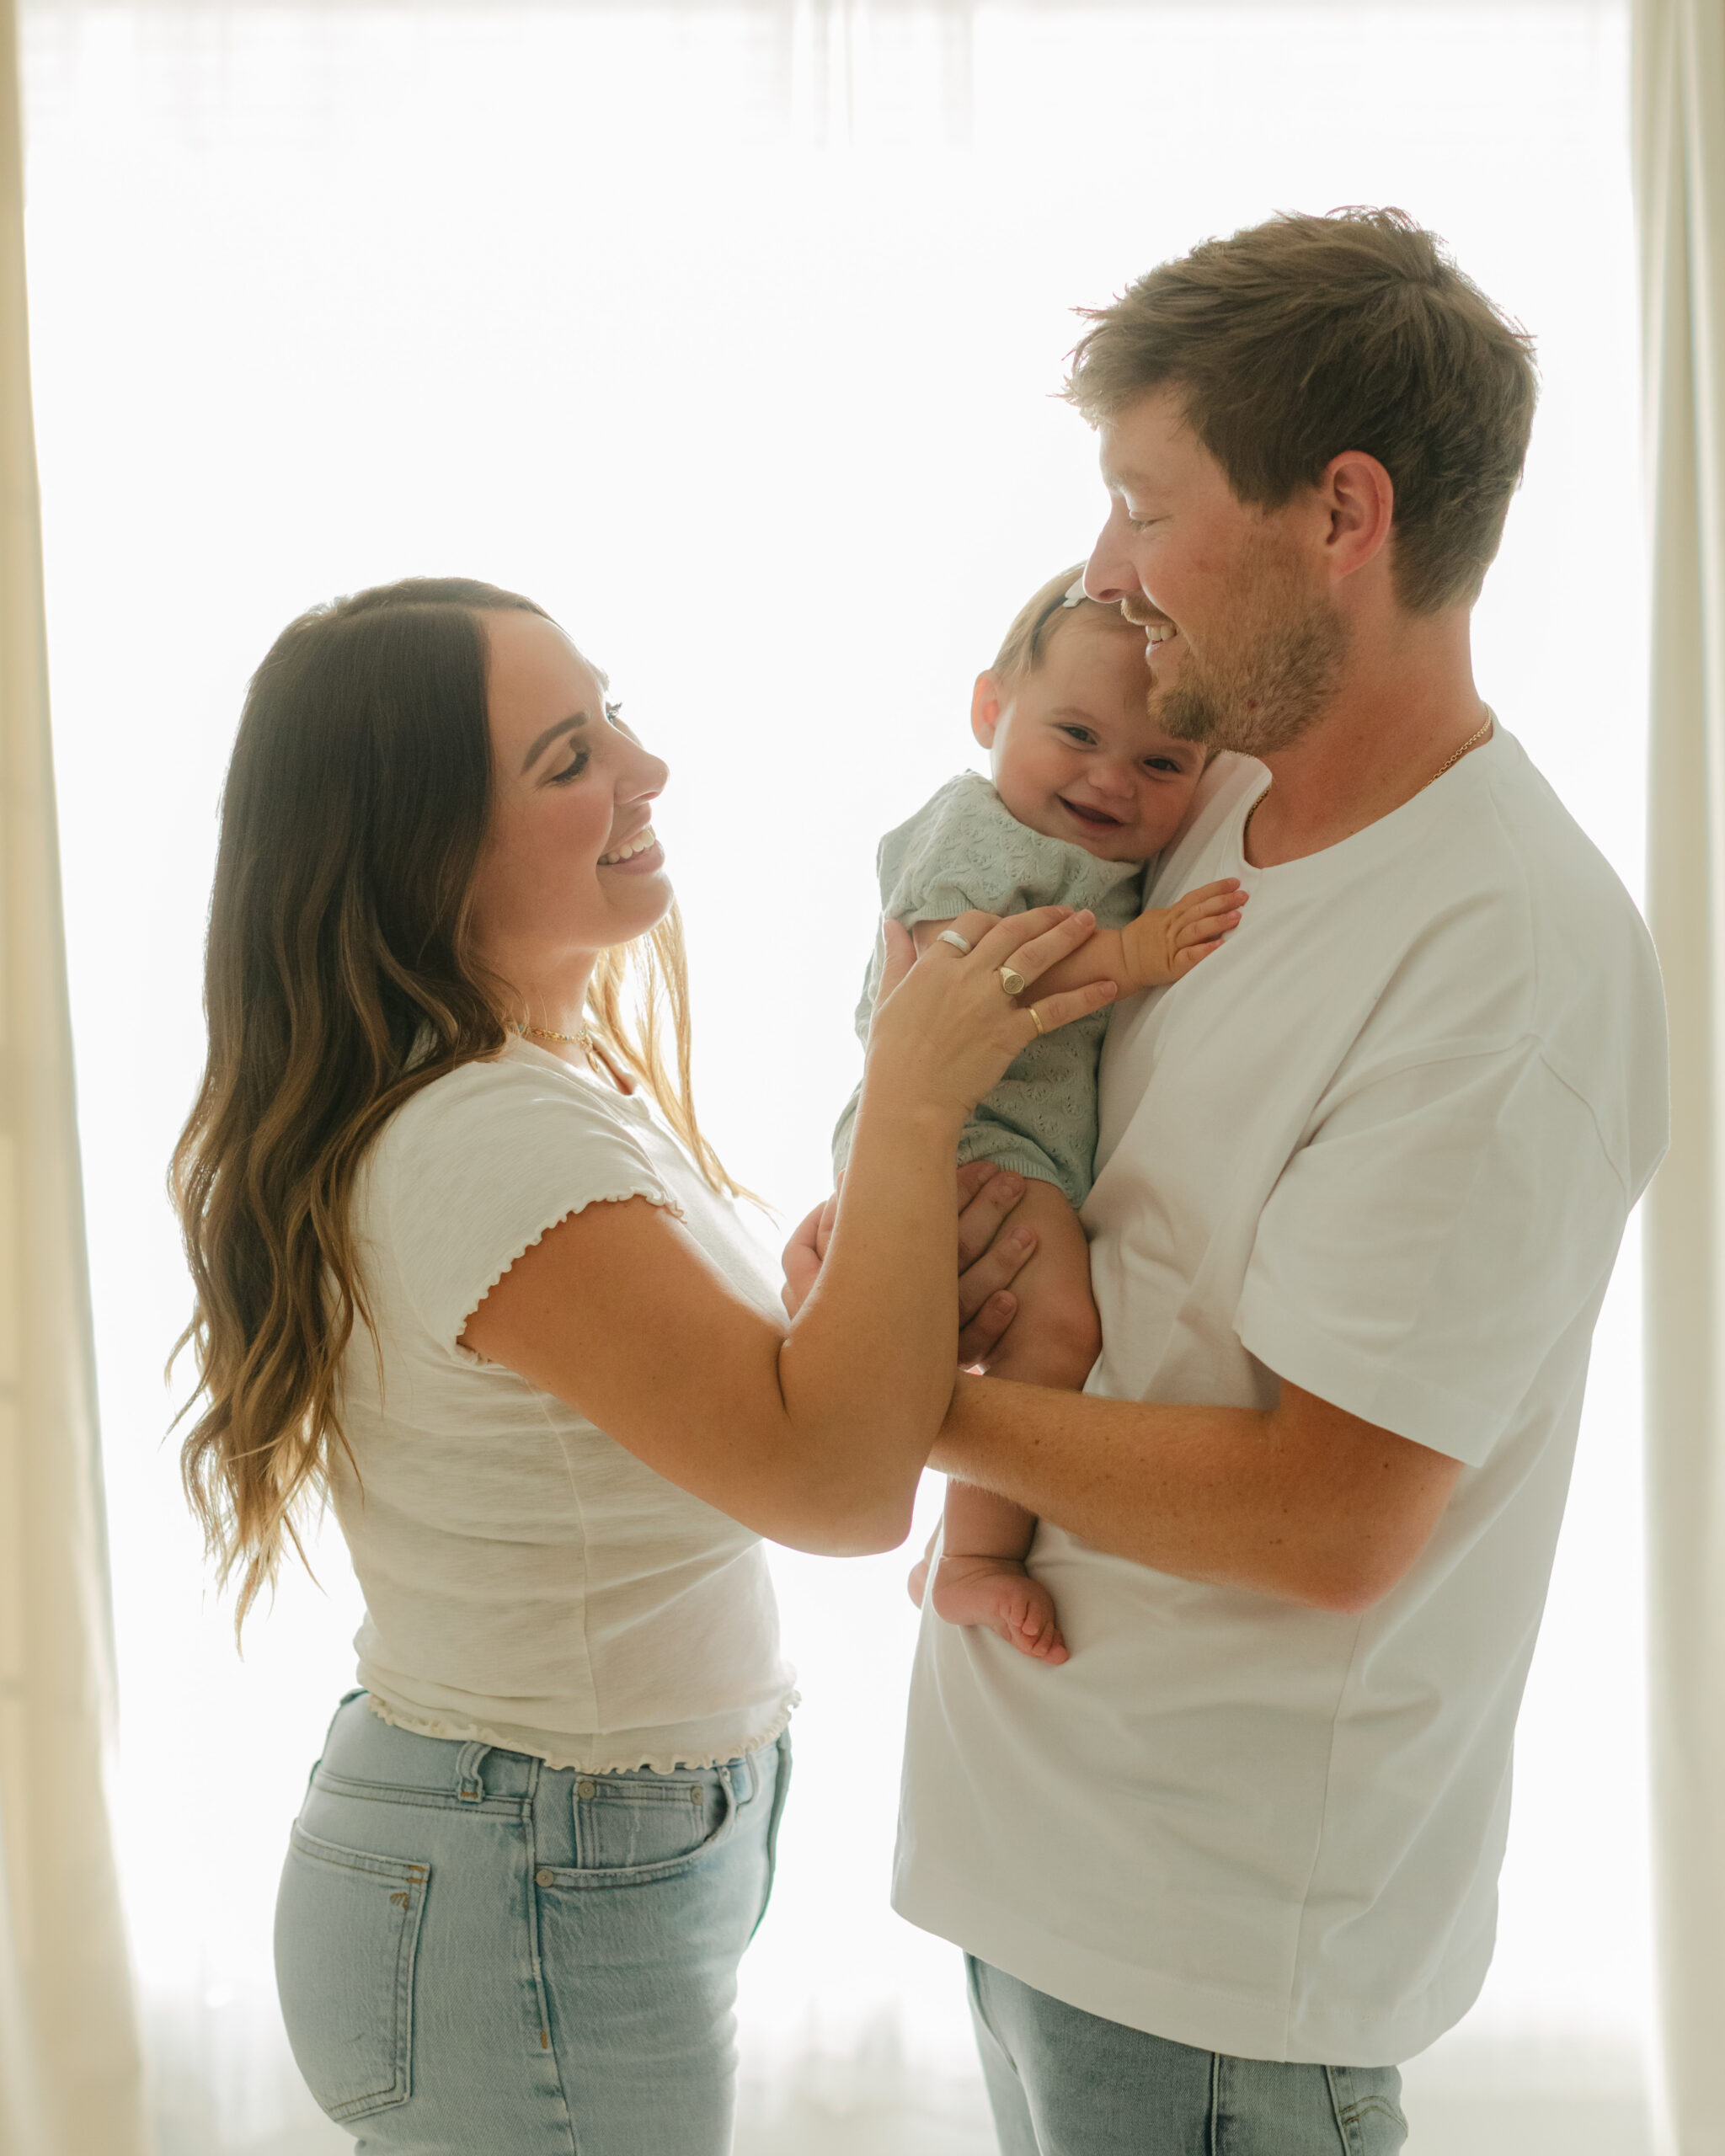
point(1086, 791)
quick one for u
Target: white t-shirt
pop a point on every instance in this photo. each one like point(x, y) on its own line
point(528, 1581)
point(1382, 1143)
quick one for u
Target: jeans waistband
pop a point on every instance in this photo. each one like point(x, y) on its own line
point(363, 1750)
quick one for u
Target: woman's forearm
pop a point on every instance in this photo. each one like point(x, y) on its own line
point(867, 1368)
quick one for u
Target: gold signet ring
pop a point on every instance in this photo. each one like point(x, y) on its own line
point(1013, 980)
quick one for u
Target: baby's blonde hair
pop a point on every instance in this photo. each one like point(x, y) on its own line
point(1026, 644)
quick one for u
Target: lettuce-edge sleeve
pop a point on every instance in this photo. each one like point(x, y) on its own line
point(473, 1172)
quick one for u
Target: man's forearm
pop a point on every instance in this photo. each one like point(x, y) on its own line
point(1303, 1502)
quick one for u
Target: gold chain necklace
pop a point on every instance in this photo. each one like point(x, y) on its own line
point(583, 1040)
point(1449, 763)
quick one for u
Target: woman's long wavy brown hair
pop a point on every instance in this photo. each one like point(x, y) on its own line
point(339, 979)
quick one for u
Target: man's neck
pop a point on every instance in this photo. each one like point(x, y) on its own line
point(1407, 705)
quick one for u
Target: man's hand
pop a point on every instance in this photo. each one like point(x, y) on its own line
point(991, 1248)
point(989, 1253)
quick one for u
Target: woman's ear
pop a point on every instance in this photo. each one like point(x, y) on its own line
point(985, 708)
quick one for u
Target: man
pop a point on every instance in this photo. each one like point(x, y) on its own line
point(1362, 1178)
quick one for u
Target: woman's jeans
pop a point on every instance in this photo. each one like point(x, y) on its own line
point(477, 1951)
point(1065, 2083)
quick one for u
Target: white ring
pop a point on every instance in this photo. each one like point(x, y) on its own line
point(952, 936)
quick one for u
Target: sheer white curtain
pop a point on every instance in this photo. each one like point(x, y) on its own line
point(70, 2068)
point(730, 332)
point(1679, 115)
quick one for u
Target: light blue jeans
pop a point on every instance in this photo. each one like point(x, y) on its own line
point(476, 1951)
point(1065, 2083)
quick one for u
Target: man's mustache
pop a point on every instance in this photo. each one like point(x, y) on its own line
point(1142, 615)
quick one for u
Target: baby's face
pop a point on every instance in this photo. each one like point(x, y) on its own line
point(1076, 756)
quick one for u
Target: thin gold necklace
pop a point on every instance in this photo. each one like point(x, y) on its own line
point(1449, 763)
point(583, 1040)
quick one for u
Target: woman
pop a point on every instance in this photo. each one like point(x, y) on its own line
point(464, 1260)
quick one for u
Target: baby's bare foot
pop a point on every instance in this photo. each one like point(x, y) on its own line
point(998, 1594)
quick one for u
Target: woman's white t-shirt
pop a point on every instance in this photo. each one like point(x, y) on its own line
point(1382, 1145)
point(528, 1581)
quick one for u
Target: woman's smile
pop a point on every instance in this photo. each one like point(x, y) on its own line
point(638, 856)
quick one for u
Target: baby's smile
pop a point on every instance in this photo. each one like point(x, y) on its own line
point(1095, 819)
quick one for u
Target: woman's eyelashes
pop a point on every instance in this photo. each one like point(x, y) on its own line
point(577, 764)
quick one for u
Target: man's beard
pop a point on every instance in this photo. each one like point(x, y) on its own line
point(1275, 667)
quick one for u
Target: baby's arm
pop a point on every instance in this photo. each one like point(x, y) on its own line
point(1157, 948)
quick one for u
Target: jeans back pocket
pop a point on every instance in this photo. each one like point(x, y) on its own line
point(347, 1928)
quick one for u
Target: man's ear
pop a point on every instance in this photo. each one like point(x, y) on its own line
point(1358, 498)
point(986, 701)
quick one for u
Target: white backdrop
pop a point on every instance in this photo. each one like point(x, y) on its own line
point(730, 334)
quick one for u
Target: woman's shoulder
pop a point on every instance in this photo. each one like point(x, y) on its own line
point(499, 1093)
point(475, 1167)
point(497, 1108)
point(502, 1130)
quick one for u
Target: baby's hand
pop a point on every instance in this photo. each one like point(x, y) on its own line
point(1169, 941)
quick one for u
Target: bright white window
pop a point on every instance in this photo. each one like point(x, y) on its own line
point(731, 332)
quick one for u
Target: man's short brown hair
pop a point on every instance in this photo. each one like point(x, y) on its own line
point(1296, 340)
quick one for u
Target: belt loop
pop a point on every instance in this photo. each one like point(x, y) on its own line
point(468, 1786)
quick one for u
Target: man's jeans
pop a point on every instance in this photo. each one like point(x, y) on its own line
point(1065, 2083)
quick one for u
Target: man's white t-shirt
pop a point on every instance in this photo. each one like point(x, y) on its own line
point(1382, 1143)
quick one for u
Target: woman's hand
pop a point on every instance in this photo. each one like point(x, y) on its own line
point(945, 1027)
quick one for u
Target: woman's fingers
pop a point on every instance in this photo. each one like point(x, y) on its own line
point(1055, 1010)
point(973, 926)
point(802, 1259)
point(1032, 942)
point(900, 956)
point(829, 1214)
